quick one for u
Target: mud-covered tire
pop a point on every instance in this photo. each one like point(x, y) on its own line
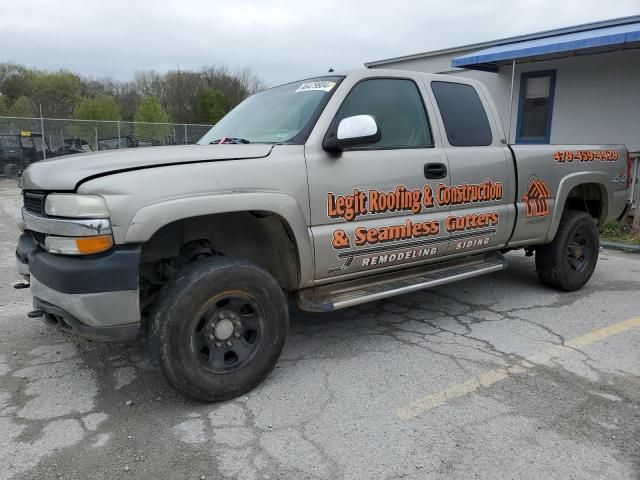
point(568, 262)
point(190, 337)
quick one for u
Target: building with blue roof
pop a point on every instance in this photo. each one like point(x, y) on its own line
point(578, 84)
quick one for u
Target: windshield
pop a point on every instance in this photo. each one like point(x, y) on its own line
point(283, 114)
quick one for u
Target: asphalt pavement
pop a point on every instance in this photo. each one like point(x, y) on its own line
point(494, 377)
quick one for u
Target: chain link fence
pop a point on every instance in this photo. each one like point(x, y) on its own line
point(26, 140)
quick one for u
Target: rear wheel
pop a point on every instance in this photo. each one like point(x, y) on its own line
point(219, 328)
point(568, 262)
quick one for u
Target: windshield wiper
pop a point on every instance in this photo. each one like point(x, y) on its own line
point(229, 141)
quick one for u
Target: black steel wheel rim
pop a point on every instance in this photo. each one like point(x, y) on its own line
point(227, 332)
point(578, 252)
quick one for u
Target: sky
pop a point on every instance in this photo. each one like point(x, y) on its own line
point(279, 40)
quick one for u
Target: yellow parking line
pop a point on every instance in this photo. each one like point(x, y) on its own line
point(490, 377)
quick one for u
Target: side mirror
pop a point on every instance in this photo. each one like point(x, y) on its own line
point(355, 131)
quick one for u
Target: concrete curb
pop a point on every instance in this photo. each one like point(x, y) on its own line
point(624, 247)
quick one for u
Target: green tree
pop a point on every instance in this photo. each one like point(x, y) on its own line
point(211, 106)
point(57, 92)
point(99, 108)
point(23, 107)
point(7, 70)
point(187, 96)
point(178, 90)
point(150, 111)
point(4, 108)
point(16, 82)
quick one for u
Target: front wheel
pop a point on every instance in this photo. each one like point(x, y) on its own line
point(219, 328)
point(568, 262)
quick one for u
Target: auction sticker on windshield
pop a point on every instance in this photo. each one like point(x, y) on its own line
point(324, 86)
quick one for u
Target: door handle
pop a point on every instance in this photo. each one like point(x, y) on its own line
point(435, 170)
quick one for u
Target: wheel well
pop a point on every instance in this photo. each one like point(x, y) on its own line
point(589, 198)
point(262, 238)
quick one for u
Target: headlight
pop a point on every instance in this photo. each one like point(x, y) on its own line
point(78, 245)
point(76, 206)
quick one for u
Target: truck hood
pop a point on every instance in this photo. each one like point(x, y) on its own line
point(66, 173)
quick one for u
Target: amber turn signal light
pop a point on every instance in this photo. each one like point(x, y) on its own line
point(97, 244)
point(78, 245)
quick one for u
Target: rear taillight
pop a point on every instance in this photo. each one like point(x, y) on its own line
point(629, 169)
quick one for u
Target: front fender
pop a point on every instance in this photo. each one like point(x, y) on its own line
point(151, 218)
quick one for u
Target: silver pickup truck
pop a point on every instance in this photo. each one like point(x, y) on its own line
point(325, 193)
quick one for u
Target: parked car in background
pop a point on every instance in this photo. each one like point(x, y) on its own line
point(19, 150)
point(147, 142)
point(11, 154)
point(74, 145)
point(117, 143)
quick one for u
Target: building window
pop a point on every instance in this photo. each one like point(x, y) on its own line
point(535, 107)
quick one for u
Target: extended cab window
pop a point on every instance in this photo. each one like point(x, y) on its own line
point(396, 105)
point(463, 114)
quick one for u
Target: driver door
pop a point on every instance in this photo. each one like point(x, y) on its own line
point(372, 207)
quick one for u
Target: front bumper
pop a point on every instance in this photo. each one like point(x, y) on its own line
point(94, 297)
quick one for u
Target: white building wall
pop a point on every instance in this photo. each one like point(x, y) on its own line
point(597, 97)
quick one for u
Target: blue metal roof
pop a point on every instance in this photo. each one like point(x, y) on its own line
point(588, 39)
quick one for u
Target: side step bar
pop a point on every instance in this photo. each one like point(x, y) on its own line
point(327, 298)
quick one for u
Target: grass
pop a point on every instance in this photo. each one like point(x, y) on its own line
point(619, 232)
